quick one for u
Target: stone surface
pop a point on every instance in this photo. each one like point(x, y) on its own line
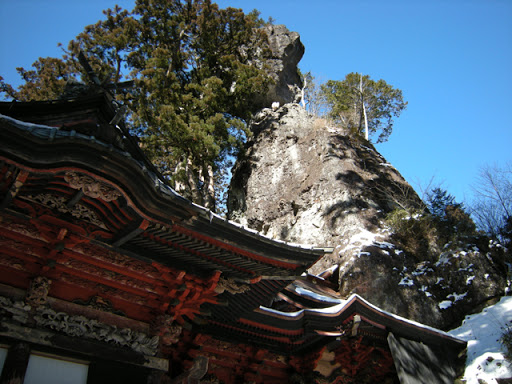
point(305, 182)
point(286, 52)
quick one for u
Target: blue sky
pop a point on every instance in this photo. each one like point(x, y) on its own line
point(452, 60)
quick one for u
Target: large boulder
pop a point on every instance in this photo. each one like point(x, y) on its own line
point(304, 182)
point(286, 50)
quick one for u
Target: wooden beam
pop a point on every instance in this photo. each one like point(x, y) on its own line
point(130, 232)
point(119, 115)
point(14, 189)
point(90, 72)
point(75, 199)
point(15, 364)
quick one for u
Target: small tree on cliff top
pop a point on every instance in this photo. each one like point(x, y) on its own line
point(194, 83)
point(364, 106)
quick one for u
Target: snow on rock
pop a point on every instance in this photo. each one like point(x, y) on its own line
point(424, 290)
point(406, 281)
point(361, 239)
point(444, 259)
point(456, 296)
point(485, 360)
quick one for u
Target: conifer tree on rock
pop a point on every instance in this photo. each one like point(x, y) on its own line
point(364, 106)
point(194, 85)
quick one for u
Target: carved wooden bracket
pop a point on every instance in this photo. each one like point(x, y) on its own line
point(37, 293)
point(91, 187)
point(230, 286)
point(186, 293)
point(59, 203)
point(167, 329)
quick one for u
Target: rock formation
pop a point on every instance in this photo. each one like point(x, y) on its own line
point(286, 51)
point(302, 181)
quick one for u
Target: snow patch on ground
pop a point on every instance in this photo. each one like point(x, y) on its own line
point(485, 356)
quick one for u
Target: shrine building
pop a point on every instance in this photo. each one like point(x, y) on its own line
point(107, 275)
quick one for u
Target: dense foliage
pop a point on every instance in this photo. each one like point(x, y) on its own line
point(451, 219)
point(194, 82)
point(441, 222)
point(363, 106)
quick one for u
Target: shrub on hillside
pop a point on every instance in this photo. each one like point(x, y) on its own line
point(506, 339)
point(415, 231)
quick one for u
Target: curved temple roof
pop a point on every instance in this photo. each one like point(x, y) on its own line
point(68, 157)
point(52, 152)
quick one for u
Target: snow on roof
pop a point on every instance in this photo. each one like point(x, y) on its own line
point(403, 319)
point(338, 308)
point(316, 296)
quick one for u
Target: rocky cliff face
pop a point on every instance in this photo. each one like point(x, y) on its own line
point(305, 182)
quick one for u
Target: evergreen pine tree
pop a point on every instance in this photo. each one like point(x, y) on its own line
point(194, 82)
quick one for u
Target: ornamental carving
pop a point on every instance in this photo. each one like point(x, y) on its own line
point(16, 310)
point(103, 289)
point(19, 246)
point(91, 187)
point(80, 326)
point(100, 303)
point(168, 330)
point(37, 293)
point(115, 258)
point(220, 345)
point(79, 211)
point(12, 262)
point(230, 286)
point(24, 228)
point(108, 274)
point(171, 335)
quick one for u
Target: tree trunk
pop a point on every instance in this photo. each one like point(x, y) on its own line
point(365, 123)
point(363, 107)
point(208, 187)
point(303, 98)
point(192, 180)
